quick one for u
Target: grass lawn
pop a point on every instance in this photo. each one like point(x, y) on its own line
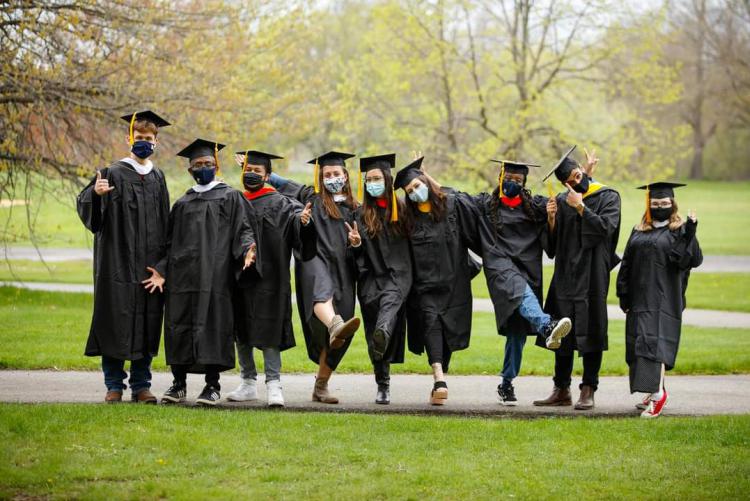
point(723, 228)
point(138, 452)
point(73, 272)
point(49, 330)
point(707, 291)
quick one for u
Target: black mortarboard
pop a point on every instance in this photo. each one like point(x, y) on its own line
point(564, 167)
point(200, 148)
point(515, 167)
point(661, 189)
point(382, 162)
point(331, 158)
point(147, 115)
point(408, 173)
point(253, 157)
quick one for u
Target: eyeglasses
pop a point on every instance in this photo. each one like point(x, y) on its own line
point(661, 205)
point(203, 165)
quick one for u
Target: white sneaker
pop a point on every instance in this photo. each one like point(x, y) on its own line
point(275, 396)
point(245, 392)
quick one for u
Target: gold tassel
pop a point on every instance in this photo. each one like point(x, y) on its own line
point(216, 158)
point(502, 177)
point(648, 205)
point(242, 174)
point(360, 189)
point(316, 181)
point(132, 123)
point(550, 191)
point(394, 207)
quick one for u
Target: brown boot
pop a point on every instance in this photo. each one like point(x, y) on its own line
point(144, 397)
point(320, 392)
point(586, 400)
point(113, 396)
point(340, 331)
point(559, 397)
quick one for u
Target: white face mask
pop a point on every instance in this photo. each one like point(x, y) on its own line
point(334, 184)
point(420, 194)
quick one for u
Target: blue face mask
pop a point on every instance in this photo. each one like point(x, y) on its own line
point(142, 149)
point(375, 189)
point(334, 184)
point(511, 189)
point(204, 175)
point(420, 194)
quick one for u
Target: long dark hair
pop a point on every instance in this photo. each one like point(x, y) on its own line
point(327, 199)
point(494, 207)
point(437, 200)
point(375, 221)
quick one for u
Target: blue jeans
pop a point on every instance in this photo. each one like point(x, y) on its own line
point(531, 310)
point(114, 374)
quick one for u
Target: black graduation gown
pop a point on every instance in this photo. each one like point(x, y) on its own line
point(506, 281)
point(130, 230)
point(651, 285)
point(332, 273)
point(209, 235)
point(263, 297)
point(384, 279)
point(584, 251)
point(443, 270)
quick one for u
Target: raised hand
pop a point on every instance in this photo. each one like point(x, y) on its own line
point(101, 186)
point(249, 257)
point(354, 239)
point(692, 216)
point(306, 214)
point(239, 159)
point(591, 162)
point(574, 199)
point(154, 282)
point(551, 208)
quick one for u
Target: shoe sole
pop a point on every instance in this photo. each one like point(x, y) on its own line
point(330, 400)
point(506, 403)
point(561, 330)
point(565, 403)
point(439, 396)
point(238, 399)
point(348, 329)
point(378, 344)
point(206, 403)
point(275, 405)
point(383, 403)
point(652, 416)
point(172, 400)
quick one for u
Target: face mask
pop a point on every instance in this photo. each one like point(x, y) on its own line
point(142, 149)
point(661, 214)
point(583, 186)
point(204, 175)
point(252, 180)
point(375, 189)
point(511, 189)
point(420, 194)
point(334, 184)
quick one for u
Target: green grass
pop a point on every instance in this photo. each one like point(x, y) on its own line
point(42, 330)
point(706, 291)
point(139, 452)
point(74, 272)
point(722, 207)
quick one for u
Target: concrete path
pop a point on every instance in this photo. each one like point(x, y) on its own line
point(697, 318)
point(711, 264)
point(468, 395)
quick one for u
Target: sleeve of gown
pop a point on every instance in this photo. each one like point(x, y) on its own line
point(550, 246)
point(242, 231)
point(163, 263)
point(164, 208)
point(539, 208)
point(686, 252)
point(91, 206)
point(623, 275)
point(598, 227)
point(301, 238)
point(292, 189)
point(468, 216)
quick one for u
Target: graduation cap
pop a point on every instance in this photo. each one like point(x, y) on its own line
point(148, 116)
point(336, 158)
point(202, 148)
point(661, 189)
point(382, 162)
point(514, 167)
point(253, 157)
point(408, 173)
point(564, 167)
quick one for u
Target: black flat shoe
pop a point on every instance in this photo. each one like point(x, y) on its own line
point(384, 396)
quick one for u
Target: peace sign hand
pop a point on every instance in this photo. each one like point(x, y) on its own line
point(354, 239)
point(591, 161)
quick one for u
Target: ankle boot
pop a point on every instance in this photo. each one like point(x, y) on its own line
point(586, 400)
point(559, 397)
point(320, 392)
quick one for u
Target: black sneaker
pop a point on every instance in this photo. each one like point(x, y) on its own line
point(555, 331)
point(209, 396)
point(506, 394)
point(174, 395)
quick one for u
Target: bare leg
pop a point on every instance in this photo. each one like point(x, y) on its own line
point(437, 372)
point(325, 312)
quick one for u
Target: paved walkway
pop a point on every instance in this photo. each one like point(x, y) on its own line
point(468, 395)
point(697, 318)
point(711, 264)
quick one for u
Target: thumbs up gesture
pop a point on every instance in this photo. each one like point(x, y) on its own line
point(101, 186)
point(306, 214)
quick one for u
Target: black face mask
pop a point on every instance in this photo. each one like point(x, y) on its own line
point(583, 185)
point(252, 180)
point(661, 214)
